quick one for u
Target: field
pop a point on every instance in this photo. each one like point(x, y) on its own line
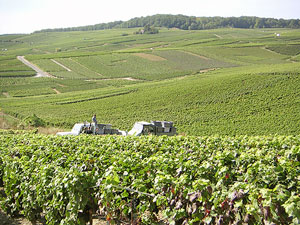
point(225, 81)
point(10, 67)
point(201, 104)
point(233, 95)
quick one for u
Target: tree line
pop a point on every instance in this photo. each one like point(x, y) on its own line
point(189, 23)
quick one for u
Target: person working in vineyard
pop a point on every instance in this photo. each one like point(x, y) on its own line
point(94, 119)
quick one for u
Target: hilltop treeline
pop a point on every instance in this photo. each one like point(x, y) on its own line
point(189, 23)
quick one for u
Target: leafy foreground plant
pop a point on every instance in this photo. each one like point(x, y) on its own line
point(180, 180)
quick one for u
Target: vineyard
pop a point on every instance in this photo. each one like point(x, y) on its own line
point(261, 100)
point(233, 95)
point(120, 65)
point(151, 180)
point(11, 67)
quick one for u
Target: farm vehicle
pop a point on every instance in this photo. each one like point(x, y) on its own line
point(92, 128)
point(153, 128)
point(139, 128)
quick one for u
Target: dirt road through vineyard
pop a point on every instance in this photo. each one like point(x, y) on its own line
point(40, 73)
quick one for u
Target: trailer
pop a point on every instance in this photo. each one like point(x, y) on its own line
point(139, 128)
point(153, 128)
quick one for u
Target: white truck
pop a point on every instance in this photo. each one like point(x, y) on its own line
point(139, 128)
point(92, 128)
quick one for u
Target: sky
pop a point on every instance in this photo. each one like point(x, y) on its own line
point(27, 16)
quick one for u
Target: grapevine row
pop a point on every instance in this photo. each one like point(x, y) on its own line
point(180, 180)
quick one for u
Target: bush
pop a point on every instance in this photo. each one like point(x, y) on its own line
point(34, 121)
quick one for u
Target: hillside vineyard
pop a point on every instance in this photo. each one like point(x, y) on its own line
point(233, 95)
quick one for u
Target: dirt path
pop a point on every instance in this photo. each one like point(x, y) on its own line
point(292, 59)
point(218, 36)
point(63, 66)
point(6, 94)
point(264, 48)
point(124, 78)
point(120, 78)
point(57, 91)
point(5, 220)
point(130, 78)
point(40, 73)
point(207, 70)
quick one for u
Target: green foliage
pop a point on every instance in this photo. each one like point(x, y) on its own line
point(48, 65)
point(243, 55)
point(224, 81)
point(129, 65)
point(11, 67)
point(17, 74)
point(211, 179)
point(147, 30)
point(286, 49)
point(34, 121)
point(185, 60)
point(7, 132)
point(20, 87)
point(228, 102)
point(189, 23)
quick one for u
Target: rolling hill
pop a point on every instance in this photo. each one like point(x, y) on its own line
point(219, 81)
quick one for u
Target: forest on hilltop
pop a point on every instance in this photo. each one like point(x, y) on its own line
point(189, 23)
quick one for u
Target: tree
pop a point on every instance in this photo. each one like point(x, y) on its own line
point(187, 22)
point(147, 30)
point(259, 23)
